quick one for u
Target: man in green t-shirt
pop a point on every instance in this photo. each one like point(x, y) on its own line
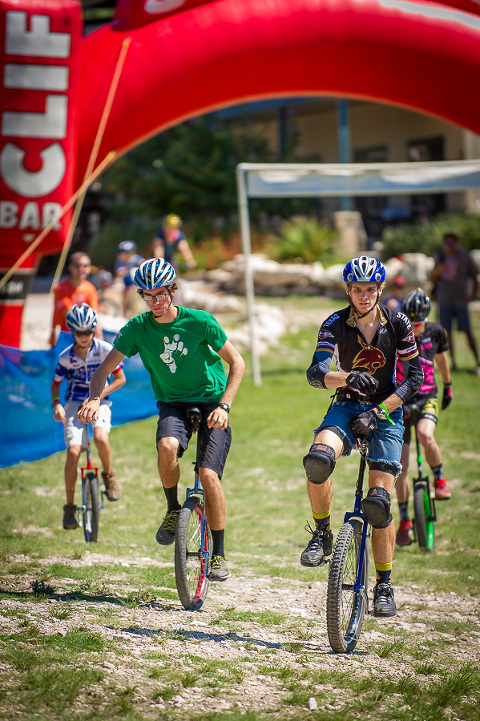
point(182, 349)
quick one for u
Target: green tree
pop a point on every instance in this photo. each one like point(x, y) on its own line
point(189, 169)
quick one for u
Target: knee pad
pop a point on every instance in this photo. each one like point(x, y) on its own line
point(319, 463)
point(376, 507)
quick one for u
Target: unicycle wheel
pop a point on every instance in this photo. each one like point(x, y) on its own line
point(423, 521)
point(91, 508)
point(192, 548)
point(346, 607)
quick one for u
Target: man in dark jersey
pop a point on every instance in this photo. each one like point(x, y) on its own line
point(364, 340)
point(182, 349)
point(432, 347)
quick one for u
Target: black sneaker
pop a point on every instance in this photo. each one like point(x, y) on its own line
point(383, 601)
point(166, 533)
point(218, 569)
point(319, 546)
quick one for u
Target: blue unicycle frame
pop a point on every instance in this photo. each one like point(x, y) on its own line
point(347, 591)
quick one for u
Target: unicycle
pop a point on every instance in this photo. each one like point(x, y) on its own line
point(193, 539)
point(347, 600)
point(423, 504)
point(92, 499)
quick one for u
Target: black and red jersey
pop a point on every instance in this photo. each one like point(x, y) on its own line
point(432, 341)
point(340, 338)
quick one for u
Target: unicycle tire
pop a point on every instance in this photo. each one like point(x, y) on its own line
point(346, 608)
point(423, 520)
point(191, 553)
point(91, 508)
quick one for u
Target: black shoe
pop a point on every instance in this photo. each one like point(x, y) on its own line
point(218, 569)
point(166, 533)
point(383, 601)
point(319, 546)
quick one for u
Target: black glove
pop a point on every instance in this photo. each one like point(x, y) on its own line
point(447, 395)
point(362, 382)
point(365, 423)
point(406, 412)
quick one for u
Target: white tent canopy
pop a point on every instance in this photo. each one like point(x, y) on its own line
point(294, 180)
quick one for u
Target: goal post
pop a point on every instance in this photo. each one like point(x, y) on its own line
point(295, 180)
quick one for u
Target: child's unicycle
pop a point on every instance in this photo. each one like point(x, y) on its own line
point(92, 499)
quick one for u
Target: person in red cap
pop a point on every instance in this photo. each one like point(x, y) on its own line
point(398, 289)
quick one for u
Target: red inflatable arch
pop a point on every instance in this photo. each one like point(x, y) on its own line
point(420, 55)
point(183, 58)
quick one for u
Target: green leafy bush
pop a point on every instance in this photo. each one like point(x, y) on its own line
point(426, 237)
point(302, 240)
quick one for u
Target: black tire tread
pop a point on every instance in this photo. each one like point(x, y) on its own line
point(336, 636)
point(92, 507)
point(181, 539)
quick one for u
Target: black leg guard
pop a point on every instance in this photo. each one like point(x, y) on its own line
point(319, 463)
point(376, 507)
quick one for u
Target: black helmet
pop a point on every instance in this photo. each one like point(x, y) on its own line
point(416, 306)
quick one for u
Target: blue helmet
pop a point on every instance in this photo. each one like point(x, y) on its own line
point(416, 306)
point(127, 246)
point(154, 273)
point(364, 270)
point(81, 317)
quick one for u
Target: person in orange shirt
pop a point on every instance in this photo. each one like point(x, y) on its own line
point(74, 290)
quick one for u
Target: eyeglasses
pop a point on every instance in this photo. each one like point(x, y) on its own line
point(83, 332)
point(157, 298)
point(82, 265)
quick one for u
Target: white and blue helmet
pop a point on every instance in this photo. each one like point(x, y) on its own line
point(364, 270)
point(127, 246)
point(154, 273)
point(81, 317)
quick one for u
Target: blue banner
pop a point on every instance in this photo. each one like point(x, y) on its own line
point(27, 429)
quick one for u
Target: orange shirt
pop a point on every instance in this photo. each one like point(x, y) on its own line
point(66, 295)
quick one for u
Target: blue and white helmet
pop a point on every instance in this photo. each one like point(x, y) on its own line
point(81, 317)
point(364, 270)
point(127, 246)
point(154, 273)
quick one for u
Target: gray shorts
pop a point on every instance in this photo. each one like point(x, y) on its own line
point(214, 442)
point(73, 428)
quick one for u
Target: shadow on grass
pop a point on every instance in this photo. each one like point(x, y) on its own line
point(289, 646)
point(124, 602)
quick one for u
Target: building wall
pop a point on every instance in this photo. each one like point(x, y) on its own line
point(373, 126)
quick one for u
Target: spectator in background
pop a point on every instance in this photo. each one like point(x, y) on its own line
point(74, 290)
point(126, 264)
point(398, 289)
point(454, 277)
point(170, 239)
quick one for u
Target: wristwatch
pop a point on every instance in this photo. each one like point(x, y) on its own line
point(224, 407)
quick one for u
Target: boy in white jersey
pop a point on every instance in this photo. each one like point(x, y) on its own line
point(76, 364)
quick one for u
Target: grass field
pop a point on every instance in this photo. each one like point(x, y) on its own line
point(98, 631)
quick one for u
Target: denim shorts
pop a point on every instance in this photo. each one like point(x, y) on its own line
point(385, 441)
point(214, 442)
